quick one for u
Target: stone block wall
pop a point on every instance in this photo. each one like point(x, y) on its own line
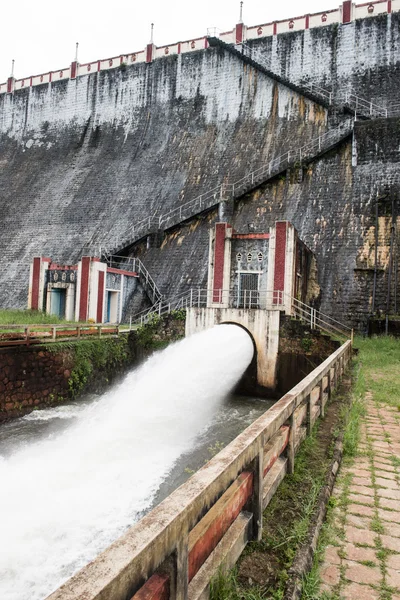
point(360, 57)
point(44, 376)
point(83, 160)
point(32, 378)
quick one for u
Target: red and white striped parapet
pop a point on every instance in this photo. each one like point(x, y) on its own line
point(346, 13)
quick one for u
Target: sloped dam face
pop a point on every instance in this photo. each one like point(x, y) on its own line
point(75, 477)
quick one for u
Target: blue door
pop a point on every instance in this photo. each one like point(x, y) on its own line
point(108, 307)
point(58, 302)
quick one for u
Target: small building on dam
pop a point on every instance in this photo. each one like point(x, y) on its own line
point(252, 278)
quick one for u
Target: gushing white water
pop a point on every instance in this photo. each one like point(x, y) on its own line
point(66, 498)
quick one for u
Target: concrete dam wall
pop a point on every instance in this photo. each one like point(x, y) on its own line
point(82, 160)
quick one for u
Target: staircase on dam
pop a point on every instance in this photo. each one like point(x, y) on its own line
point(136, 265)
point(229, 191)
point(349, 106)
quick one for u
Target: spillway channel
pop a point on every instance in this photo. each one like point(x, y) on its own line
point(74, 478)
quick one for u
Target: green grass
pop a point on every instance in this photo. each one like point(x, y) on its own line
point(225, 586)
point(379, 358)
point(377, 371)
point(27, 317)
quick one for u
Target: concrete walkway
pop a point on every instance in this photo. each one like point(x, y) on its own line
point(362, 560)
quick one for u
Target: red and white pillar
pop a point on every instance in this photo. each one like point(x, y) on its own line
point(11, 80)
point(37, 282)
point(347, 11)
point(240, 29)
point(74, 64)
point(150, 48)
point(281, 264)
point(101, 296)
point(10, 85)
point(90, 291)
point(219, 264)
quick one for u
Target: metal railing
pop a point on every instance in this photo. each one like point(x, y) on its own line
point(247, 299)
point(26, 335)
point(233, 189)
point(202, 298)
point(358, 105)
point(362, 106)
point(318, 320)
point(393, 110)
point(136, 266)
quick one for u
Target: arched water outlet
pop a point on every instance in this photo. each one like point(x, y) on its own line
point(68, 497)
point(248, 384)
point(263, 325)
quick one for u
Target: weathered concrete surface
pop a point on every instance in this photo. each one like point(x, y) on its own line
point(361, 57)
point(83, 159)
point(263, 326)
point(333, 210)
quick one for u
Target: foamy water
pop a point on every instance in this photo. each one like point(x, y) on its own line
point(65, 498)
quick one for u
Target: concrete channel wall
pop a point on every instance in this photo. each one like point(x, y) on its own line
point(173, 552)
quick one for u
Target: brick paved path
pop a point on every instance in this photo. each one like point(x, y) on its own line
point(362, 560)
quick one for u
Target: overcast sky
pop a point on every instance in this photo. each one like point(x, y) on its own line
point(41, 34)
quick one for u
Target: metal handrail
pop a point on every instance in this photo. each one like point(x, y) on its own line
point(319, 320)
point(233, 189)
point(251, 299)
point(354, 102)
point(248, 299)
point(299, 302)
point(137, 266)
point(363, 106)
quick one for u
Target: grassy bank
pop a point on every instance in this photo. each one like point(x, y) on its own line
point(377, 370)
point(27, 317)
point(379, 360)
